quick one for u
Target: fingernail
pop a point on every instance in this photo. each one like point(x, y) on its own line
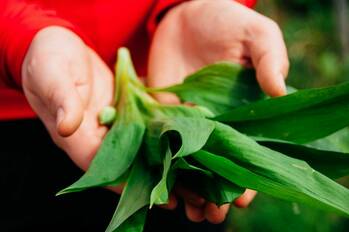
point(60, 116)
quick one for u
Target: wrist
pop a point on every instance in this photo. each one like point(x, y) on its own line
point(53, 50)
point(47, 37)
point(20, 28)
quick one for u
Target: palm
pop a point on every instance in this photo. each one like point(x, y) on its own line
point(202, 32)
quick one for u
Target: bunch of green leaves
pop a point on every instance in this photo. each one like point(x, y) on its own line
point(232, 139)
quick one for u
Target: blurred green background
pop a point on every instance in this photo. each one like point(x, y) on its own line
point(317, 37)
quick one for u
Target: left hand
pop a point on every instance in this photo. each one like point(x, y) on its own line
point(198, 33)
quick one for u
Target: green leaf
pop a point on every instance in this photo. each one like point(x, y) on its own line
point(334, 142)
point(186, 135)
point(171, 111)
point(124, 74)
point(211, 187)
point(158, 125)
point(301, 117)
point(333, 197)
point(181, 163)
point(253, 166)
point(219, 87)
point(118, 150)
point(181, 132)
point(219, 190)
point(226, 192)
point(208, 185)
point(134, 223)
point(160, 193)
point(135, 195)
point(329, 163)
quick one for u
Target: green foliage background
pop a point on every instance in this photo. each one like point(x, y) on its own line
point(311, 33)
point(317, 59)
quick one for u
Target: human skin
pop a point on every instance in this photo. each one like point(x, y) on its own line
point(198, 33)
point(67, 83)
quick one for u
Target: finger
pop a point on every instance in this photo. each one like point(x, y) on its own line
point(269, 56)
point(165, 66)
point(117, 189)
point(245, 199)
point(215, 214)
point(172, 203)
point(190, 197)
point(73, 105)
point(84, 143)
point(50, 80)
point(167, 98)
point(69, 109)
point(195, 214)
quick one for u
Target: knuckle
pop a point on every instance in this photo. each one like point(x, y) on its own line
point(263, 27)
point(272, 26)
point(31, 67)
point(43, 64)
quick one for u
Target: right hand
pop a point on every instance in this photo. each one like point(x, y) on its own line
point(67, 84)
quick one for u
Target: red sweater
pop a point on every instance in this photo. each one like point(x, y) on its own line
point(103, 25)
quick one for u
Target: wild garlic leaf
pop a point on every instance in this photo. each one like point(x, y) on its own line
point(207, 184)
point(160, 193)
point(171, 111)
point(212, 187)
point(298, 100)
point(260, 168)
point(135, 195)
point(122, 142)
point(181, 163)
point(330, 163)
point(134, 223)
point(219, 87)
point(330, 197)
point(125, 75)
point(156, 124)
point(301, 117)
point(226, 192)
point(118, 150)
point(185, 135)
point(219, 190)
point(337, 141)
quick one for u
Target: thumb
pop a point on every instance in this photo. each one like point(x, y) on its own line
point(269, 56)
point(54, 96)
point(271, 75)
point(68, 108)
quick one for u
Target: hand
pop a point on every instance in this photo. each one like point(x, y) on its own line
point(67, 85)
point(198, 33)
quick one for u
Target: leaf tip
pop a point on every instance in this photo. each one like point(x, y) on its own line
point(151, 205)
point(62, 192)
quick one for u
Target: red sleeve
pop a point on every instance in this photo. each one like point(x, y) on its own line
point(158, 11)
point(248, 3)
point(19, 22)
point(163, 5)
